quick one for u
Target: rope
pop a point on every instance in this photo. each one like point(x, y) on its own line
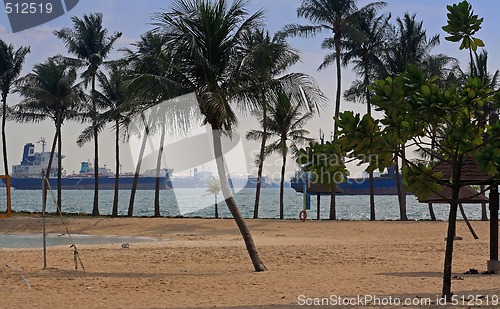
point(76, 256)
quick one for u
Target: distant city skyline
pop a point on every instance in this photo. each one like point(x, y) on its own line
point(133, 18)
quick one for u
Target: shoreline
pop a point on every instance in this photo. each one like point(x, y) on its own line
point(205, 264)
point(85, 215)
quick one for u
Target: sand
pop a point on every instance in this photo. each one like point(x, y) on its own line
point(202, 263)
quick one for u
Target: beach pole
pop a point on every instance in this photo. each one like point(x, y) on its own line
point(318, 206)
point(44, 204)
point(493, 263)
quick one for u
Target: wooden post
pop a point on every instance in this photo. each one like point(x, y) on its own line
point(494, 223)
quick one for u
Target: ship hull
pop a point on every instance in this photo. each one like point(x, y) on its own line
point(87, 183)
point(360, 186)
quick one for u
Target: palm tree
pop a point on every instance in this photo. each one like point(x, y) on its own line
point(409, 45)
point(150, 79)
point(50, 91)
point(203, 38)
point(213, 188)
point(116, 110)
point(339, 18)
point(268, 59)
point(91, 44)
point(11, 63)
point(365, 51)
point(142, 128)
point(286, 120)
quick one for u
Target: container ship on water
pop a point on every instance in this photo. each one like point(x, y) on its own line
point(27, 175)
point(384, 184)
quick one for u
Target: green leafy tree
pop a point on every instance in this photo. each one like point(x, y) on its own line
point(324, 164)
point(454, 113)
point(91, 44)
point(11, 64)
point(286, 121)
point(462, 25)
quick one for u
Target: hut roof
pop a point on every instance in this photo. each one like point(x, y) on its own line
point(470, 171)
point(467, 195)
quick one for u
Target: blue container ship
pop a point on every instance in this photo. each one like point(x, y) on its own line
point(27, 175)
point(385, 184)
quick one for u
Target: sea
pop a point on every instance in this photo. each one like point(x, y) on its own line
point(196, 202)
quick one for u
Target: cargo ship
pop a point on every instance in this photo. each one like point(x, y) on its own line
point(27, 175)
point(384, 184)
point(199, 179)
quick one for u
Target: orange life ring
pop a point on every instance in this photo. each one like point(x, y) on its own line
point(303, 215)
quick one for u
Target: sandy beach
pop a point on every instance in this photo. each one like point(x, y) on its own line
point(202, 263)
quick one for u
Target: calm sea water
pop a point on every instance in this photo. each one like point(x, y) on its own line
point(197, 203)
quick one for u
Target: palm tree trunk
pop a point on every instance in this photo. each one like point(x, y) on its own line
point(231, 203)
point(431, 212)
point(336, 39)
point(4, 138)
point(401, 193)
point(372, 197)
point(333, 202)
point(282, 188)
point(369, 111)
point(59, 163)
point(261, 162)
point(136, 175)
point(318, 207)
point(49, 166)
point(95, 209)
point(216, 209)
point(158, 168)
point(403, 215)
point(114, 212)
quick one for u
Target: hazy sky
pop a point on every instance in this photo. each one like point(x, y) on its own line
point(133, 18)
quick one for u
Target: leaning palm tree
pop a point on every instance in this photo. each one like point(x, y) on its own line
point(50, 91)
point(213, 188)
point(337, 17)
point(365, 51)
point(269, 57)
point(91, 44)
point(112, 101)
point(286, 120)
point(11, 63)
point(203, 38)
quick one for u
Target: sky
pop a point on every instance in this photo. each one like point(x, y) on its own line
point(133, 18)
